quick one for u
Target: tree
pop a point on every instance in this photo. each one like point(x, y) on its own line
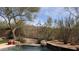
point(45, 30)
point(48, 22)
point(75, 21)
point(19, 12)
point(65, 29)
point(14, 13)
point(74, 11)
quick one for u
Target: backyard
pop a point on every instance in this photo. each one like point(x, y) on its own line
point(43, 29)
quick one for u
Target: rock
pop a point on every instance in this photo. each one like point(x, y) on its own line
point(43, 42)
point(18, 43)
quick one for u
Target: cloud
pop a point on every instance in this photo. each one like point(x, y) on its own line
point(53, 12)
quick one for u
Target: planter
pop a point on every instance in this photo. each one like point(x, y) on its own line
point(11, 42)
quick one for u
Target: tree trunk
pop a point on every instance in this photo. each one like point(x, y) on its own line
point(14, 35)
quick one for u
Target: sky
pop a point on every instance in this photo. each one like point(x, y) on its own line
point(55, 13)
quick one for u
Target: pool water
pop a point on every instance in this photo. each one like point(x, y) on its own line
point(26, 48)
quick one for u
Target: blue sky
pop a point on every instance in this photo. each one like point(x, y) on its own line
point(54, 12)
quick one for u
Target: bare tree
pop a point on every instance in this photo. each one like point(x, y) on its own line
point(74, 11)
point(45, 30)
point(15, 13)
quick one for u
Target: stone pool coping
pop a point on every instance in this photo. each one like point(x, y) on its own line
point(73, 47)
point(4, 45)
point(30, 44)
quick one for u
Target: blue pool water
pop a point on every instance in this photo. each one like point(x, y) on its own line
point(26, 48)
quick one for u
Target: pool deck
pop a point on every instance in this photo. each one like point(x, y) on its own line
point(4, 45)
point(59, 44)
point(29, 44)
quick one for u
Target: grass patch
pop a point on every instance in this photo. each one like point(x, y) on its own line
point(3, 41)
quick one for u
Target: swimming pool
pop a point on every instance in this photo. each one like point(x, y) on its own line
point(26, 48)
